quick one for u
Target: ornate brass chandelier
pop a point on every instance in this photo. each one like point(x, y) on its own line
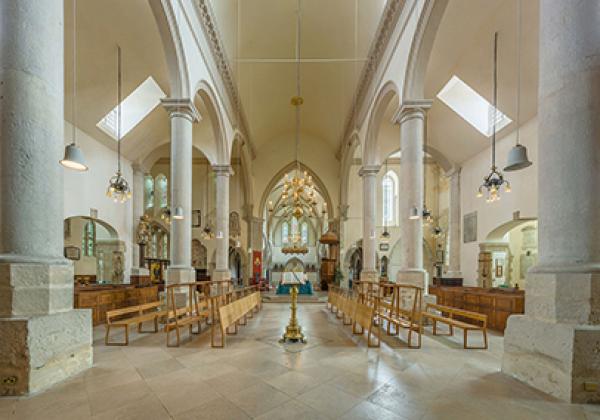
point(118, 188)
point(494, 181)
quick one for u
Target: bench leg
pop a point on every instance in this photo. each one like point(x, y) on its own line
point(106, 335)
point(466, 345)
point(126, 335)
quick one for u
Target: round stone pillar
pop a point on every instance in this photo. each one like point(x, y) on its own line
point(43, 339)
point(369, 270)
point(221, 272)
point(554, 346)
point(454, 226)
point(411, 118)
point(182, 114)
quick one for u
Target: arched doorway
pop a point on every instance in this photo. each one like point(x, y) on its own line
point(94, 247)
point(235, 266)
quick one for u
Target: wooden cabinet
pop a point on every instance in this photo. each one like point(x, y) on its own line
point(497, 304)
point(101, 299)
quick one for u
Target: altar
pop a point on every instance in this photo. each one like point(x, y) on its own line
point(289, 277)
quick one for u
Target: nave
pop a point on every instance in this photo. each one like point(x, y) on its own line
point(333, 376)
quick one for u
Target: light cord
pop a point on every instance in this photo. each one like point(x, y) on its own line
point(518, 69)
point(73, 105)
point(495, 100)
point(119, 82)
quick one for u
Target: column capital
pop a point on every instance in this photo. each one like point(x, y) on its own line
point(369, 170)
point(222, 170)
point(181, 107)
point(410, 109)
point(454, 171)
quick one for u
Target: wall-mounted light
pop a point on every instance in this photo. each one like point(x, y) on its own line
point(414, 213)
point(178, 213)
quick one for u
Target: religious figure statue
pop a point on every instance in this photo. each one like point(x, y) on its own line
point(143, 231)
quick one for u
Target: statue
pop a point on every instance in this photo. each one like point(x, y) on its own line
point(143, 231)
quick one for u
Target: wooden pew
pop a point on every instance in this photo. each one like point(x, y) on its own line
point(124, 317)
point(231, 314)
point(400, 306)
point(448, 315)
point(364, 317)
point(194, 311)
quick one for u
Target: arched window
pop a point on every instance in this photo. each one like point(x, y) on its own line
point(88, 240)
point(304, 232)
point(285, 232)
point(389, 186)
point(161, 190)
point(148, 192)
point(294, 227)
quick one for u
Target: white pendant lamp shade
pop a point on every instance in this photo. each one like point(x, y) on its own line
point(178, 213)
point(74, 158)
point(517, 158)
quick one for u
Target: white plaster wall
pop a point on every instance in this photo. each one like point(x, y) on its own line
point(523, 198)
point(86, 190)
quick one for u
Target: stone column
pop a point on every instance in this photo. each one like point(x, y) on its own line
point(411, 118)
point(369, 270)
point(183, 114)
point(222, 172)
point(138, 273)
point(555, 346)
point(454, 221)
point(43, 339)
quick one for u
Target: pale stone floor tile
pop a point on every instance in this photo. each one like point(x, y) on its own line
point(257, 399)
point(293, 383)
point(368, 411)
point(329, 400)
point(334, 375)
point(217, 409)
point(292, 410)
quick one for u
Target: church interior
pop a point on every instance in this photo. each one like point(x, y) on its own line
point(299, 209)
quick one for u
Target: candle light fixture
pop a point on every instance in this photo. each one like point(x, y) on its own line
point(118, 187)
point(494, 181)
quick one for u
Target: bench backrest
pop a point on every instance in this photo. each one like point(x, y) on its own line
point(232, 312)
point(459, 312)
point(363, 314)
point(115, 313)
point(152, 306)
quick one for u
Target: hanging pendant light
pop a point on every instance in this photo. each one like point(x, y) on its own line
point(517, 157)
point(494, 181)
point(414, 213)
point(178, 213)
point(73, 158)
point(207, 232)
point(118, 187)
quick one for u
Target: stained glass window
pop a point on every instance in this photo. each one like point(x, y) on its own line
point(285, 231)
point(389, 186)
point(304, 232)
point(89, 239)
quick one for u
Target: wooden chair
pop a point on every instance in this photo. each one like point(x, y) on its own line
point(448, 315)
point(364, 317)
point(124, 317)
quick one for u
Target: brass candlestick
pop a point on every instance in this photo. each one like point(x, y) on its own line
point(293, 332)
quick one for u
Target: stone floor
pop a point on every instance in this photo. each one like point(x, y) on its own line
point(333, 376)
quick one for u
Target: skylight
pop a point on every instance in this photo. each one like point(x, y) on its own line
point(134, 108)
point(472, 107)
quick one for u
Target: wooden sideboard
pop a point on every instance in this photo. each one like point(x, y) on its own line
point(102, 298)
point(497, 304)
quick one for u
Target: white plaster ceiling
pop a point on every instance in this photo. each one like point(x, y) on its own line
point(260, 37)
point(101, 25)
point(463, 46)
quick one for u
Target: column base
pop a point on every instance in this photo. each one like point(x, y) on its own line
point(560, 359)
point(177, 275)
point(28, 288)
point(555, 346)
point(372, 276)
point(37, 352)
point(414, 277)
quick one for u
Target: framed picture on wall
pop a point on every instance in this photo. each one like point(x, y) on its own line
point(196, 218)
point(470, 227)
point(72, 253)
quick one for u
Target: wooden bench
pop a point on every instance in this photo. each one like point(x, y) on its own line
point(178, 317)
point(230, 314)
point(124, 317)
point(363, 316)
point(400, 306)
point(448, 315)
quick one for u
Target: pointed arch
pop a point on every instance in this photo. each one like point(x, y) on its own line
point(388, 92)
